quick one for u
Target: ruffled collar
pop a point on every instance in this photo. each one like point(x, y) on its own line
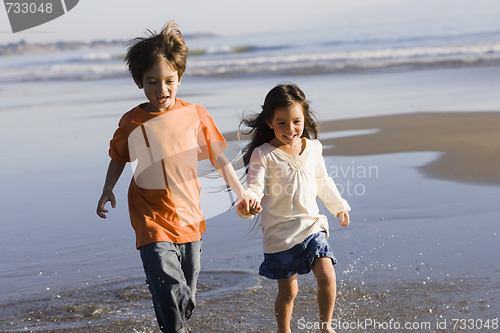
point(297, 162)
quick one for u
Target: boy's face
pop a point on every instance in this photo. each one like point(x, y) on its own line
point(160, 84)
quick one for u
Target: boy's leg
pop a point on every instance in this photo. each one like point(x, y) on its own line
point(327, 290)
point(190, 263)
point(166, 278)
point(283, 306)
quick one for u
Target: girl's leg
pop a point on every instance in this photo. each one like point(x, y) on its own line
point(283, 306)
point(327, 290)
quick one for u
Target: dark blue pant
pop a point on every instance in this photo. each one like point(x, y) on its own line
point(171, 274)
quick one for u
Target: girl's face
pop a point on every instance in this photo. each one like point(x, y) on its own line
point(288, 124)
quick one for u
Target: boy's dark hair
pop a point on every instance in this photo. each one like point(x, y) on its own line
point(281, 96)
point(144, 52)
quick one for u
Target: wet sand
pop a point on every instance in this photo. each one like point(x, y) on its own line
point(469, 141)
point(360, 308)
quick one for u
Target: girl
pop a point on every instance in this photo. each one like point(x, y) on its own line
point(286, 171)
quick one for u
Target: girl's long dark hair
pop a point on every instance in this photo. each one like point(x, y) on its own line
point(281, 96)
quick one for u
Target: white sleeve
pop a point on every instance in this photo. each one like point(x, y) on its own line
point(255, 180)
point(327, 190)
point(256, 176)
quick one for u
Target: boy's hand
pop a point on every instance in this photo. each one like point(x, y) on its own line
point(105, 197)
point(344, 218)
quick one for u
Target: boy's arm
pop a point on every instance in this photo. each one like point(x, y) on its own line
point(115, 170)
point(226, 170)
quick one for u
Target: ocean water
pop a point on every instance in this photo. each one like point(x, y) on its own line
point(60, 110)
point(339, 50)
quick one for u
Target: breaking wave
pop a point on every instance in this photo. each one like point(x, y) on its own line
point(231, 58)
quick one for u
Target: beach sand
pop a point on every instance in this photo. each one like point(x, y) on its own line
point(470, 144)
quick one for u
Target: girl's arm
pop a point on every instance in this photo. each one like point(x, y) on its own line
point(255, 182)
point(245, 202)
point(115, 170)
point(328, 192)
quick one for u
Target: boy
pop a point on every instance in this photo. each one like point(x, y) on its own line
point(167, 137)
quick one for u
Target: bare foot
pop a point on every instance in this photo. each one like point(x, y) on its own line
point(328, 330)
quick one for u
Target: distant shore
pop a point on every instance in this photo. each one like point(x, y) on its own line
point(23, 47)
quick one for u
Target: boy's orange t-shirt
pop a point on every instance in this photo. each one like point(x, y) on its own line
point(164, 194)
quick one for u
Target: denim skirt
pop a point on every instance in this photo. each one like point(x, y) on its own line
point(298, 259)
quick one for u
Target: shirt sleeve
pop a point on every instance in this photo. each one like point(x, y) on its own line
point(210, 140)
point(256, 175)
point(327, 190)
point(118, 146)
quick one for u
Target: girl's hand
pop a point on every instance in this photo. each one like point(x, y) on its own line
point(344, 218)
point(249, 206)
point(254, 207)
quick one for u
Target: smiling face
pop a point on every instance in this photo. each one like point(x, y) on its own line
point(288, 125)
point(160, 84)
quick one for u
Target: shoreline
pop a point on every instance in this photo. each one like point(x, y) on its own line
point(469, 141)
point(359, 305)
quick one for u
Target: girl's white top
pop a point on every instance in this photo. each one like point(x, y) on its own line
point(287, 187)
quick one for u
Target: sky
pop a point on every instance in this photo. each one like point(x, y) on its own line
point(125, 19)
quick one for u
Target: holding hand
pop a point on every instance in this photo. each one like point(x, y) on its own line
point(344, 218)
point(248, 207)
